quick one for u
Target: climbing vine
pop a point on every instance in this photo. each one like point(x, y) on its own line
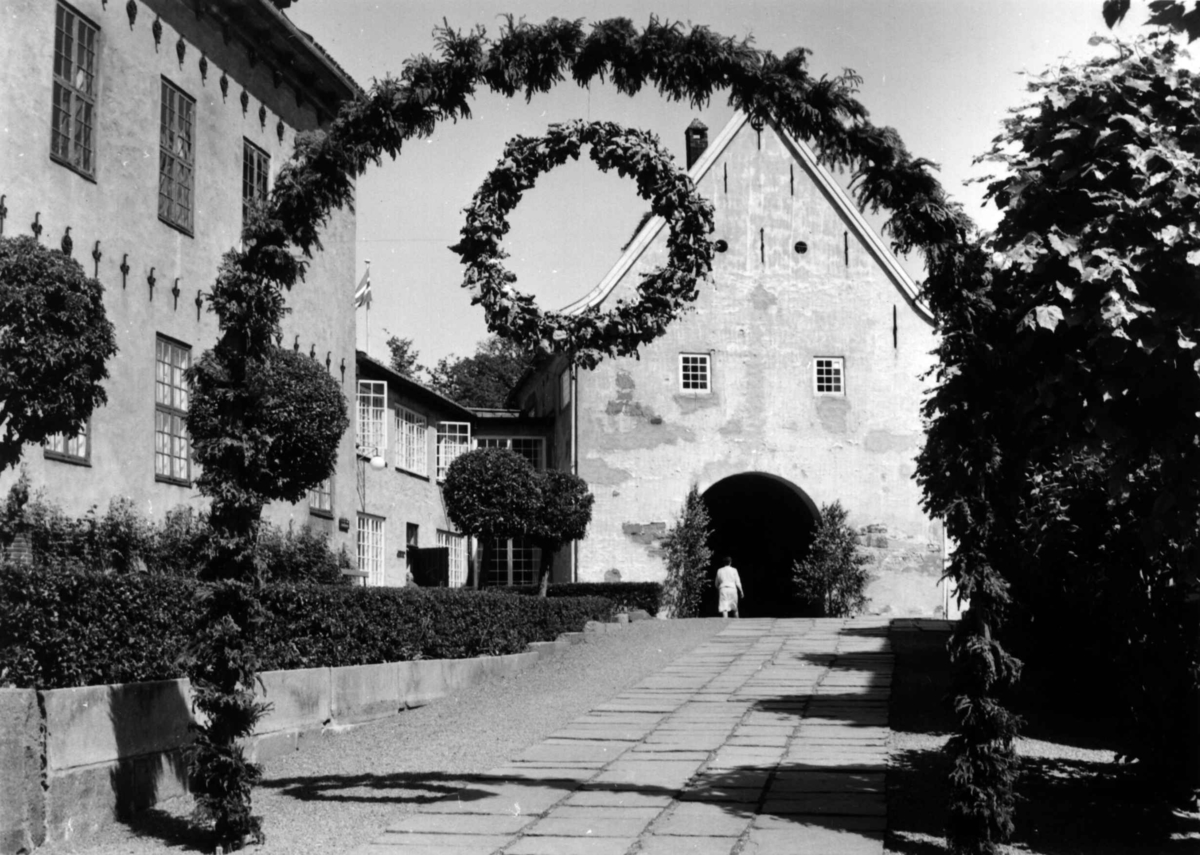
point(662, 295)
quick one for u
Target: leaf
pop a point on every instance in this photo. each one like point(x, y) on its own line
point(1046, 317)
point(1193, 257)
point(1114, 12)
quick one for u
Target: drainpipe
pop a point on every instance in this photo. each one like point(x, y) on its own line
point(574, 460)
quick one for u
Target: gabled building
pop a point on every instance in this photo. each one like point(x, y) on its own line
point(795, 382)
point(145, 128)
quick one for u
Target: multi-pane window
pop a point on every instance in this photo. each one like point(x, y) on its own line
point(172, 454)
point(829, 376)
point(694, 374)
point(75, 448)
point(370, 548)
point(73, 117)
point(412, 453)
point(564, 388)
point(457, 545)
point(256, 167)
point(453, 439)
point(372, 424)
point(532, 448)
point(320, 499)
point(512, 562)
point(176, 157)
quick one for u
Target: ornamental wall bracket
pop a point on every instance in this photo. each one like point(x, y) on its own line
point(124, 268)
point(156, 31)
point(36, 225)
point(199, 303)
point(131, 9)
point(150, 280)
point(175, 293)
point(96, 256)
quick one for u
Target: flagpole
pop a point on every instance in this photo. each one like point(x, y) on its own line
point(368, 275)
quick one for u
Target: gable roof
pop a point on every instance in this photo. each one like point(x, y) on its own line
point(833, 191)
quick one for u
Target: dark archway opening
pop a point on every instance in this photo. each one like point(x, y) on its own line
point(766, 524)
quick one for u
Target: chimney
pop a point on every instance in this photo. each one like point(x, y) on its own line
point(696, 136)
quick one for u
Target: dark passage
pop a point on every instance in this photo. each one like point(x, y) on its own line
point(765, 523)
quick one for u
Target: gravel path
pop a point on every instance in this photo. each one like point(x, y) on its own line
point(341, 789)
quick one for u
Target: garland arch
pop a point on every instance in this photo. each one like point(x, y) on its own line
point(663, 294)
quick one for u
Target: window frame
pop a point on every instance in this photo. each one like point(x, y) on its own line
point(509, 547)
point(704, 359)
point(378, 414)
point(412, 442)
point(256, 161)
point(837, 366)
point(168, 179)
point(375, 577)
point(507, 442)
point(171, 410)
point(463, 447)
point(66, 455)
point(322, 490)
point(62, 85)
point(456, 543)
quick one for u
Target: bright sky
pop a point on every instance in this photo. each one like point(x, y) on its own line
point(942, 72)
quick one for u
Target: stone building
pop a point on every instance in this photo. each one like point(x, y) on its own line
point(795, 382)
point(145, 127)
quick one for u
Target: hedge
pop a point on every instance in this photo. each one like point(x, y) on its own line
point(626, 595)
point(81, 629)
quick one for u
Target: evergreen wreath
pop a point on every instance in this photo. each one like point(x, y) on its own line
point(662, 295)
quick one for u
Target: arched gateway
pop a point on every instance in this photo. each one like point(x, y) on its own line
point(765, 523)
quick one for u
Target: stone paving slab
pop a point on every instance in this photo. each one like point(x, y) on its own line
point(770, 739)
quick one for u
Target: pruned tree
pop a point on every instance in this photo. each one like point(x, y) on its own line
point(834, 575)
point(564, 514)
point(688, 557)
point(55, 343)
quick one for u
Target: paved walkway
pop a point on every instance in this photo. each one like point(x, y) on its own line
point(770, 739)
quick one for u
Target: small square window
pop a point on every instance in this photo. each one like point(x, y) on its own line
point(829, 376)
point(694, 374)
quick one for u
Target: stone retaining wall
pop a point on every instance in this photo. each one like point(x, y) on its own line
point(75, 759)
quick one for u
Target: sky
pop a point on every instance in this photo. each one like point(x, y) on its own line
point(944, 73)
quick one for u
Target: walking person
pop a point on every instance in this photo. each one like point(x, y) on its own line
point(729, 588)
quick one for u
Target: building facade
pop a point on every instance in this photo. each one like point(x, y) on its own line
point(146, 128)
point(795, 382)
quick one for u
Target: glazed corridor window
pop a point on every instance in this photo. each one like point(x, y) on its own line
point(512, 562)
point(76, 449)
point(256, 167)
point(176, 158)
point(411, 451)
point(372, 427)
point(172, 455)
point(370, 548)
point(530, 447)
point(320, 499)
point(457, 545)
point(74, 110)
point(828, 376)
point(453, 439)
point(694, 373)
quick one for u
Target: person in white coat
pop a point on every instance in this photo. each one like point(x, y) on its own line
point(729, 588)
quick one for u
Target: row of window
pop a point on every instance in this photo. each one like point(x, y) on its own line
point(370, 542)
point(695, 374)
point(73, 122)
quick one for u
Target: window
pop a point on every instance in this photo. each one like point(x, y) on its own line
point(176, 158)
point(172, 456)
point(73, 449)
point(512, 562)
point(453, 438)
point(370, 548)
point(256, 167)
point(412, 535)
point(532, 448)
point(320, 499)
point(828, 376)
point(372, 427)
point(694, 373)
point(73, 115)
point(564, 389)
point(457, 544)
point(412, 453)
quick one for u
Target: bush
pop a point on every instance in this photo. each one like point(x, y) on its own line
point(833, 577)
point(688, 558)
point(77, 629)
point(625, 596)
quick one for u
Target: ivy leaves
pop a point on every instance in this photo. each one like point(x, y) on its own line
point(663, 294)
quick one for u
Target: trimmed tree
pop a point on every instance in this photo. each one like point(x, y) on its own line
point(563, 516)
point(55, 342)
point(688, 558)
point(833, 576)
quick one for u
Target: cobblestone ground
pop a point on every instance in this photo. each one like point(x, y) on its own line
point(771, 739)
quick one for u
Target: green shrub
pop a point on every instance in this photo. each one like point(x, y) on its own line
point(76, 629)
point(833, 576)
point(300, 556)
point(624, 595)
point(688, 558)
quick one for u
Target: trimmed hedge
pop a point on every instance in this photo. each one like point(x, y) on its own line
point(626, 595)
point(81, 629)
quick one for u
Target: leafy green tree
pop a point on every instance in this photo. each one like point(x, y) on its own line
point(688, 557)
point(485, 379)
point(404, 357)
point(833, 576)
point(55, 343)
point(563, 515)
